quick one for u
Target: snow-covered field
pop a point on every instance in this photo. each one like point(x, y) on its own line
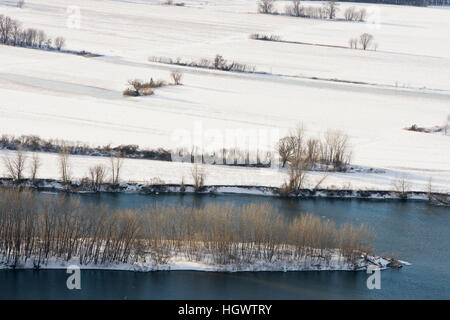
point(64, 96)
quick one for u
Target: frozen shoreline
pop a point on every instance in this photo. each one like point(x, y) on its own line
point(178, 263)
point(51, 185)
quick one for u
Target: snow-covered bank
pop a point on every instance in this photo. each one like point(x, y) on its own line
point(178, 262)
point(139, 175)
point(130, 187)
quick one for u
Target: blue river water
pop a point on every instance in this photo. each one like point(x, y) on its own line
point(415, 231)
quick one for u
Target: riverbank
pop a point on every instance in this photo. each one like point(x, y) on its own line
point(180, 262)
point(53, 185)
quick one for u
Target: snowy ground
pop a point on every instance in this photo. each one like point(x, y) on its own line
point(179, 262)
point(69, 97)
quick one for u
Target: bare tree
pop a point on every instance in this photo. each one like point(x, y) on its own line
point(297, 178)
point(266, 6)
point(336, 149)
point(361, 15)
point(6, 26)
point(353, 43)
point(365, 40)
point(332, 7)
point(59, 43)
point(295, 9)
point(64, 166)
point(177, 77)
point(41, 37)
point(285, 150)
point(35, 165)
point(116, 166)
point(97, 176)
point(15, 165)
point(20, 3)
point(199, 177)
point(350, 14)
point(402, 186)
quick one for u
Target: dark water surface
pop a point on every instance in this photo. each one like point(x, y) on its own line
point(415, 231)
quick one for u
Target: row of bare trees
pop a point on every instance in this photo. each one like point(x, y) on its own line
point(333, 149)
point(16, 166)
point(97, 174)
point(328, 10)
point(36, 229)
point(11, 33)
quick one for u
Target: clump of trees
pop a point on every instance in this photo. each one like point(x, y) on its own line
point(328, 10)
point(37, 229)
point(16, 165)
point(12, 33)
point(198, 177)
point(354, 14)
point(301, 153)
point(177, 77)
point(266, 6)
point(35, 143)
point(258, 36)
point(333, 150)
point(366, 40)
point(138, 88)
point(218, 63)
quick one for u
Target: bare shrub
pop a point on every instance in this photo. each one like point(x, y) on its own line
point(402, 186)
point(365, 40)
point(128, 92)
point(294, 9)
point(60, 43)
point(336, 149)
point(199, 177)
point(361, 15)
point(296, 180)
point(285, 150)
point(116, 162)
point(312, 156)
point(177, 76)
point(64, 166)
point(97, 176)
point(35, 165)
point(266, 6)
point(331, 7)
point(218, 63)
point(257, 36)
point(350, 14)
point(15, 165)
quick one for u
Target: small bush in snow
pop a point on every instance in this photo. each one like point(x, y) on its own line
point(176, 77)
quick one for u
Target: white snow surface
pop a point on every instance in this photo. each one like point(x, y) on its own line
point(179, 262)
point(63, 96)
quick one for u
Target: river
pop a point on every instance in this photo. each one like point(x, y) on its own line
point(415, 231)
